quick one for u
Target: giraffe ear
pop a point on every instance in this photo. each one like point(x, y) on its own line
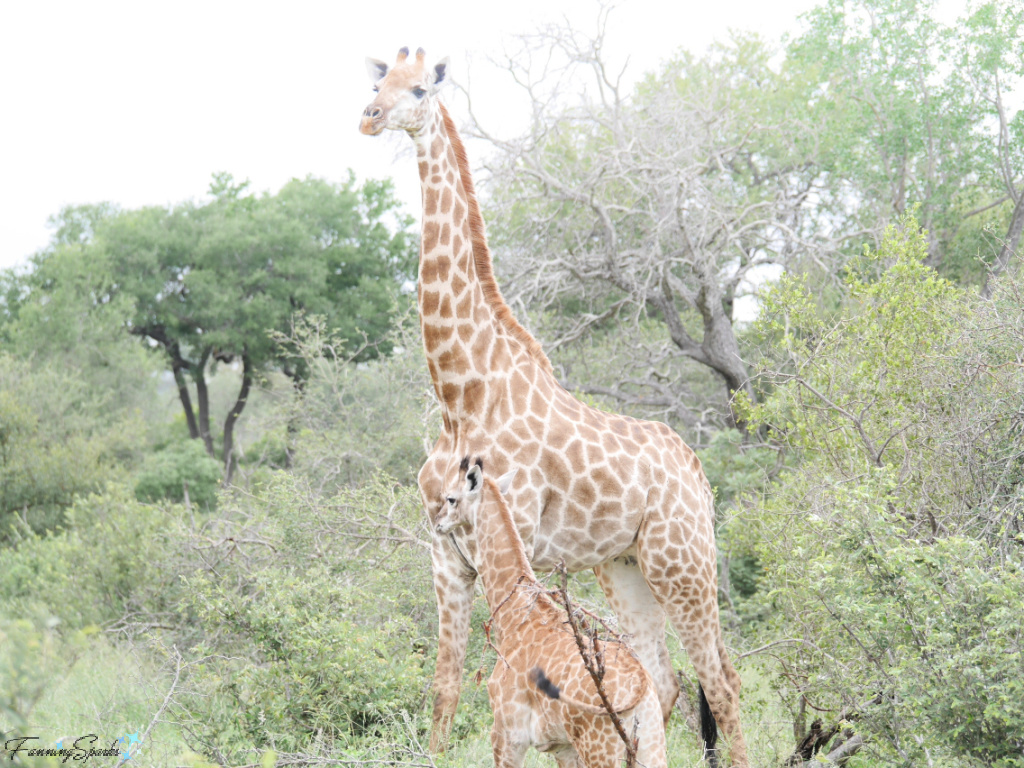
point(376, 68)
point(473, 478)
point(440, 70)
point(505, 481)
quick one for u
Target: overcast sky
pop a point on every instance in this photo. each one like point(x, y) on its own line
point(138, 103)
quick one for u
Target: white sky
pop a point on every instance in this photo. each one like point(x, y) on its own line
point(138, 103)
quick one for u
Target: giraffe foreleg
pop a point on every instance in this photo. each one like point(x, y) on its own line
point(453, 585)
point(650, 733)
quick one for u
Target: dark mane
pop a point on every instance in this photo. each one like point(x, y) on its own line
point(482, 253)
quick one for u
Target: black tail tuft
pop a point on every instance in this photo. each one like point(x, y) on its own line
point(708, 729)
point(538, 678)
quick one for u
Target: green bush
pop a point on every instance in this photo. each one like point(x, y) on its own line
point(302, 662)
point(53, 445)
point(351, 420)
point(315, 615)
point(106, 563)
point(182, 467)
point(892, 546)
point(34, 659)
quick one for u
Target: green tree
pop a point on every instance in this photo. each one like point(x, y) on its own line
point(912, 111)
point(991, 56)
point(65, 311)
point(73, 385)
point(206, 282)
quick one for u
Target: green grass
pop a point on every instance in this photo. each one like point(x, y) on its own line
point(90, 685)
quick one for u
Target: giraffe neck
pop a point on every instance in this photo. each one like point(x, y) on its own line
point(469, 333)
point(501, 559)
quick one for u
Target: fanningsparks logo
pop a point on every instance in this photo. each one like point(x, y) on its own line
point(81, 748)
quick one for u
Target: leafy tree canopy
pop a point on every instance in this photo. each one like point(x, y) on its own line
point(670, 202)
point(208, 281)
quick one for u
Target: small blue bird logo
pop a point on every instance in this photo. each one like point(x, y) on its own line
point(128, 739)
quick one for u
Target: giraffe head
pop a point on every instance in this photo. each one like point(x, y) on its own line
point(405, 93)
point(461, 505)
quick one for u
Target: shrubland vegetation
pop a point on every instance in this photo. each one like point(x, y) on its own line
point(209, 529)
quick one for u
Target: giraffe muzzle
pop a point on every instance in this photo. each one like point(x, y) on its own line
point(373, 121)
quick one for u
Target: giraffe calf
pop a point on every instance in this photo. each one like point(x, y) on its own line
point(540, 691)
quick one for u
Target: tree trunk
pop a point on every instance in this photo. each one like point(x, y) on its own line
point(1009, 248)
point(186, 401)
point(233, 414)
point(178, 367)
point(292, 429)
point(718, 350)
point(722, 350)
point(800, 721)
point(203, 398)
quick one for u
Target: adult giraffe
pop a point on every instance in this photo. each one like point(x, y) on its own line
point(625, 497)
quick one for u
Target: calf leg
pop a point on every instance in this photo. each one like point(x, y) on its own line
point(508, 753)
point(650, 732)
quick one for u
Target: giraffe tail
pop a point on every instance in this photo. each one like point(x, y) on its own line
point(708, 729)
point(538, 678)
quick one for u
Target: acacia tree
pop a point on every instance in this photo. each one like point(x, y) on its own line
point(208, 282)
point(656, 206)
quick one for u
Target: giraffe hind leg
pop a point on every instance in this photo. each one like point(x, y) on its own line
point(642, 617)
point(678, 560)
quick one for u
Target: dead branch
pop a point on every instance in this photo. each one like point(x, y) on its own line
point(168, 698)
point(592, 654)
point(810, 746)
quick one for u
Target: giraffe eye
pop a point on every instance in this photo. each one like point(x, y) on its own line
point(452, 500)
point(419, 93)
